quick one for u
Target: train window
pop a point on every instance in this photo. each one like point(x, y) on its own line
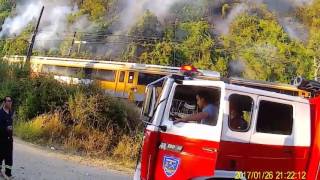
point(275, 118)
point(45, 69)
point(105, 75)
point(88, 73)
point(61, 70)
point(131, 77)
point(240, 112)
point(73, 72)
point(51, 69)
point(145, 78)
point(122, 75)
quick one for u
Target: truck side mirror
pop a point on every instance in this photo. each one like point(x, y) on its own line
point(149, 102)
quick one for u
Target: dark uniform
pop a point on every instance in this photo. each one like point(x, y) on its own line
point(6, 140)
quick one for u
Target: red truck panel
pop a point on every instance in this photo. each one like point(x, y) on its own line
point(313, 168)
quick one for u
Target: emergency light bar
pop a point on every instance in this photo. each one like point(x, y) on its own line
point(189, 70)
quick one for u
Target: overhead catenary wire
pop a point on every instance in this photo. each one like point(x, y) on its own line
point(145, 41)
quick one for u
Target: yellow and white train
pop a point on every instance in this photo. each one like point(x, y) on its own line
point(125, 80)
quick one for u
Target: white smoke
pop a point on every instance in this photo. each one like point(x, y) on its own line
point(83, 24)
point(236, 68)
point(222, 25)
point(54, 22)
point(284, 10)
point(25, 14)
point(131, 14)
point(135, 9)
point(303, 2)
point(294, 28)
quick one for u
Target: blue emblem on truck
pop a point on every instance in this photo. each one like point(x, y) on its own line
point(170, 165)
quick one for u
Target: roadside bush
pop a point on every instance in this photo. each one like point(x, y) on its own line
point(103, 112)
point(46, 127)
point(30, 131)
point(98, 143)
point(53, 127)
point(80, 119)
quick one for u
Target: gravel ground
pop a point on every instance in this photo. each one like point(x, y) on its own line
point(35, 163)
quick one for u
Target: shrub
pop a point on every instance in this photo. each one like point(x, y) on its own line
point(42, 128)
point(127, 149)
point(98, 143)
point(53, 128)
point(30, 131)
point(103, 112)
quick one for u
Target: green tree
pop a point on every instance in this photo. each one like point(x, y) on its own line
point(95, 8)
point(266, 49)
point(310, 15)
point(197, 46)
point(17, 45)
point(146, 33)
point(5, 9)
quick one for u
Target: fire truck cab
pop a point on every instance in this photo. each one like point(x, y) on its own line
point(258, 131)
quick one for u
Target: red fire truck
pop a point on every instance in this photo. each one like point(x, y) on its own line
point(260, 130)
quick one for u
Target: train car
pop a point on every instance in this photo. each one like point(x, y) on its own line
point(124, 80)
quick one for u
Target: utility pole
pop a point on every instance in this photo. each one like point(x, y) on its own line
point(29, 53)
point(79, 44)
point(174, 43)
point(72, 43)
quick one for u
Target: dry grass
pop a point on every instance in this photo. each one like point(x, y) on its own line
point(48, 130)
point(79, 129)
point(44, 127)
point(127, 150)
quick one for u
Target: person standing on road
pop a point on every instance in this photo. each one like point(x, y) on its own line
point(6, 140)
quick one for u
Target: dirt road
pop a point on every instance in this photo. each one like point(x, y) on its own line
point(35, 163)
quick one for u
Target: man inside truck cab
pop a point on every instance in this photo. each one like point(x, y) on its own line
point(237, 121)
point(208, 114)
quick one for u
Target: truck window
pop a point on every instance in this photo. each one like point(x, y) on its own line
point(240, 112)
point(275, 118)
point(186, 104)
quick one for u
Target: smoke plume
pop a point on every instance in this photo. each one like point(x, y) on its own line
point(53, 24)
point(236, 68)
point(24, 14)
point(132, 12)
point(222, 25)
point(284, 10)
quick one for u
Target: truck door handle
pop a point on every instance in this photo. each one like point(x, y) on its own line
point(163, 128)
point(288, 151)
point(211, 150)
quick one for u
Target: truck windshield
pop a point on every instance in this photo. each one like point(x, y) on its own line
point(196, 104)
